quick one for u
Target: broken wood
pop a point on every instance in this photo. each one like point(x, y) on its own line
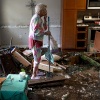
point(27, 52)
point(45, 66)
point(20, 58)
point(1, 80)
point(62, 66)
point(90, 60)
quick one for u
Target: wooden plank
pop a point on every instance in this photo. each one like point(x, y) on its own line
point(27, 52)
point(44, 65)
point(46, 80)
point(20, 58)
point(62, 66)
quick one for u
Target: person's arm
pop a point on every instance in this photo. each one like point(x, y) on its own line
point(38, 31)
point(47, 32)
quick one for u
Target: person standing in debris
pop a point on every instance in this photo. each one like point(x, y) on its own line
point(37, 29)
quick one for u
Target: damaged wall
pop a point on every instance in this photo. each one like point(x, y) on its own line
point(15, 18)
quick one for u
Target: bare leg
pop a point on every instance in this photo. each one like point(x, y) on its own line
point(37, 57)
point(35, 69)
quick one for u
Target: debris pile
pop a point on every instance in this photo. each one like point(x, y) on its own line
point(82, 79)
point(80, 69)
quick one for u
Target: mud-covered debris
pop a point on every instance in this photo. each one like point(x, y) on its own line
point(64, 97)
point(49, 94)
point(67, 76)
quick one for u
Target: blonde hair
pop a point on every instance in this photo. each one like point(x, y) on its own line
point(39, 7)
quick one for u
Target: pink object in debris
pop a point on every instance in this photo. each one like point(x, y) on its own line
point(97, 41)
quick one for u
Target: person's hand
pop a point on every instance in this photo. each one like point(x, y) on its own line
point(47, 33)
point(45, 19)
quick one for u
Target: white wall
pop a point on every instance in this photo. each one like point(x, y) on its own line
point(16, 16)
point(19, 35)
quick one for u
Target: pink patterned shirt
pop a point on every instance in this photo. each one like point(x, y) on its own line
point(37, 28)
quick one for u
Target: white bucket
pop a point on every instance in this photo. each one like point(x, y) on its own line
point(22, 76)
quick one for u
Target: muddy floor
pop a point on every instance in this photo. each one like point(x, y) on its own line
point(82, 80)
point(82, 83)
point(80, 86)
